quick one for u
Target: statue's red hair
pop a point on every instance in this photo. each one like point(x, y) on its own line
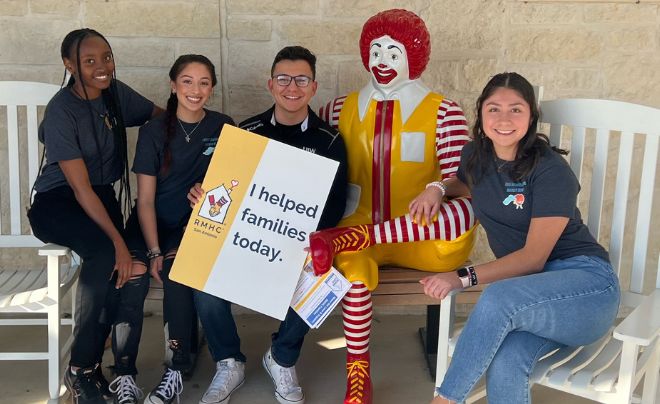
point(403, 26)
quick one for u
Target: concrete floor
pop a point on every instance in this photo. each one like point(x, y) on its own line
point(399, 371)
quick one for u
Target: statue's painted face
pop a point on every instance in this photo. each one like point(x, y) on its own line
point(388, 62)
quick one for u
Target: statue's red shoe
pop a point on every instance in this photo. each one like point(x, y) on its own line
point(358, 379)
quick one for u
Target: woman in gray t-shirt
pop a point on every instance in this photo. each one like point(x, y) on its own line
point(84, 135)
point(551, 283)
point(173, 153)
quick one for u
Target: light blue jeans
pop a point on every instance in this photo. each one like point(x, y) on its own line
point(516, 321)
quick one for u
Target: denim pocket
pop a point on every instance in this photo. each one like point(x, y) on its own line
point(601, 264)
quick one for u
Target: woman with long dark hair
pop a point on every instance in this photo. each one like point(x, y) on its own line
point(173, 153)
point(551, 284)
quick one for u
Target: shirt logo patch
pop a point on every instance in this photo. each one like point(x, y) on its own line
point(253, 127)
point(209, 151)
point(517, 199)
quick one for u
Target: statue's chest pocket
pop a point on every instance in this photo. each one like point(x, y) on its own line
point(412, 146)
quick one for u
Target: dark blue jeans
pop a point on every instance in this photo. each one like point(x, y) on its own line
point(224, 342)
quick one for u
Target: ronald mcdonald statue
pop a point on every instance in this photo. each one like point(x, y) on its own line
point(400, 137)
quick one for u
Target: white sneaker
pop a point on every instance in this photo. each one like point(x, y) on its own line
point(229, 376)
point(287, 388)
point(171, 386)
point(125, 390)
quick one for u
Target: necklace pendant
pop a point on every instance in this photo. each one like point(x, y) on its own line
point(501, 166)
point(188, 134)
point(106, 119)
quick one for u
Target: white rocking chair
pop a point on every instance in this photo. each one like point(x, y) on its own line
point(610, 370)
point(31, 297)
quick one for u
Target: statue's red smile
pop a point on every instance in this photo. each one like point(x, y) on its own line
point(383, 76)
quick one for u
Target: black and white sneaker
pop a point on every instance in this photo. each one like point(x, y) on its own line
point(104, 384)
point(125, 391)
point(170, 387)
point(83, 386)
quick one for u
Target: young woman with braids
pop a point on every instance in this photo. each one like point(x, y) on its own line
point(84, 135)
point(173, 153)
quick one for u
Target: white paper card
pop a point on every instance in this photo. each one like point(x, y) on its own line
point(316, 296)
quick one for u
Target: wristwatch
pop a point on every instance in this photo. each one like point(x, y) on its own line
point(464, 276)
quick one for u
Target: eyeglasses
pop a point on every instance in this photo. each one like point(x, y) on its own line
point(284, 80)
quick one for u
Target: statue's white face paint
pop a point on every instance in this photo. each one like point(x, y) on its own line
point(388, 62)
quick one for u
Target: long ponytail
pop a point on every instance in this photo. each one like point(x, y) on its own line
point(170, 130)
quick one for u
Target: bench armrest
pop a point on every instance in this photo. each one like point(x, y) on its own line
point(641, 326)
point(55, 250)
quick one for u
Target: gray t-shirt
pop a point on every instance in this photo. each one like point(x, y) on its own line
point(187, 166)
point(505, 207)
point(67, 132)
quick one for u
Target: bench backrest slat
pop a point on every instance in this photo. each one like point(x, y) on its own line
point(625, 136)
point(21, 101)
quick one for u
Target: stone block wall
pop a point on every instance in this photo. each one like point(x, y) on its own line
point(572, 48)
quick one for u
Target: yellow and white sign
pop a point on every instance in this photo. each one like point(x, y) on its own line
point(245, 240)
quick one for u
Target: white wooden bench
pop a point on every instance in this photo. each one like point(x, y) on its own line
point(618, 205)
point(30, 294)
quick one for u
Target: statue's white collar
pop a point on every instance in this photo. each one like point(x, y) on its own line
point(410, 94)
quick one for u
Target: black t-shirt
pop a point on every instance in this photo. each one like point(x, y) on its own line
point(505, 207)
point(72, 130)
point(315, 136)
point(187, 166)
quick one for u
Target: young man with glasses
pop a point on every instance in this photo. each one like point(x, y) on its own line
point(290, 120)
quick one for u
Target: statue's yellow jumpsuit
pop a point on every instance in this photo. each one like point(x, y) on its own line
point(390, 162)
point(391, 158)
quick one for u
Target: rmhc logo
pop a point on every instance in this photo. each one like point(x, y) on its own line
point(217, 202)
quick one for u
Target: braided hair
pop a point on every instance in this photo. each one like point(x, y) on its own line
point(71, 43)
point(173, 102)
